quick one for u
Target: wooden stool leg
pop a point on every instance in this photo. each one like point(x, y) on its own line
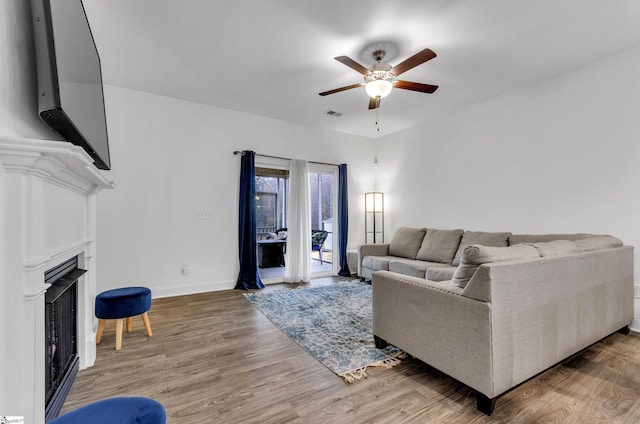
point(128, 324)
point(147, 324)
point(101, 323)
point(119, 334)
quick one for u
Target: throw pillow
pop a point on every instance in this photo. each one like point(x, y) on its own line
point(406, 242)
point(480, 237)
point(439, 245)
point(476, 255)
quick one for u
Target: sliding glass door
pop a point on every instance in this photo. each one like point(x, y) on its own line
point(323, 189)
point(272, 190)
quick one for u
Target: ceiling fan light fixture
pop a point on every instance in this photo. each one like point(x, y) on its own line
point(378, 88)
point(380, 78)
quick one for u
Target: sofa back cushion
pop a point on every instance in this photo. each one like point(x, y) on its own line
point(476, 255)
point(406, 242)
point(555, 248)
point(543, 238)
point(483, 238)
point(598, 243)
point(439, 245)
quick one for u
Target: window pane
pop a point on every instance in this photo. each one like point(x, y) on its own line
point(321, 192)
point(271, 202)
point(266, 184)
point(266, 212)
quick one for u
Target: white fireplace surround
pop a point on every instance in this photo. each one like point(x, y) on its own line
point(48, 215)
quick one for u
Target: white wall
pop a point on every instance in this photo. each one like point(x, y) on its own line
point(18, 77)
point(562, 155)
point(171, 158)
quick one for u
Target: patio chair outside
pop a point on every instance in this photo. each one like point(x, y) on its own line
point(318, 238)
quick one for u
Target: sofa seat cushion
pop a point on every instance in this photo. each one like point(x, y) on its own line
point(476, 255)
point(406, 242)
point(411, 267)
point(441, 273)
point(377, 263)
point(439, 245)
point(480, 237)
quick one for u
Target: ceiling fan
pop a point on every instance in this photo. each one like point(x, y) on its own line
point(380, 78)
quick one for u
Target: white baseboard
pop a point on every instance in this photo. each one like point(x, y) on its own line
point(89, 358)
point(182, 290)
point(635, 325)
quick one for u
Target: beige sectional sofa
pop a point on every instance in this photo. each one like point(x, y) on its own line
point(511, 307)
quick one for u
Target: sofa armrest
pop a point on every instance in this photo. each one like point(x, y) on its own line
point(381, 249)
point(448, 331)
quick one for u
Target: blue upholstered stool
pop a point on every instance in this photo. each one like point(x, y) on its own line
point(121, 304)
point(120, 410)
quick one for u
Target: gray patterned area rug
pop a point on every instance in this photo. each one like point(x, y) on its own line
point(333, 323)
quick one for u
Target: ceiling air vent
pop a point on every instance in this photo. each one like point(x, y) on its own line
point(334, 113)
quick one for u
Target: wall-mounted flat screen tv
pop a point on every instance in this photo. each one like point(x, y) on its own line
point(71, 99)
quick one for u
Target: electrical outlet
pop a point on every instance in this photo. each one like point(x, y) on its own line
point(636, 292)
point(185, 269)
point(204, 214)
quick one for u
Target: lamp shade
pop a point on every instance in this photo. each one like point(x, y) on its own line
point(378, 88)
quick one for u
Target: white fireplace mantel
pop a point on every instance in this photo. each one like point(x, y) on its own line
point(47, 215)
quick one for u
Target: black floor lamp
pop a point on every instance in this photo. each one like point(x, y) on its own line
point(374, 217)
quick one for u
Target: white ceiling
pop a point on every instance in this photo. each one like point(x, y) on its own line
point(273, 57)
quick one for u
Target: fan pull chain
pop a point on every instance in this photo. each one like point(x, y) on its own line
point(378, 119)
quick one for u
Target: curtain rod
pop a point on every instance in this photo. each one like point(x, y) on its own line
point(239, 152)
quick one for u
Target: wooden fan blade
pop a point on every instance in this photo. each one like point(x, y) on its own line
point(353, 64)
point(337, 90)
point(415, 86)
point(374, 102)
point(415, 60)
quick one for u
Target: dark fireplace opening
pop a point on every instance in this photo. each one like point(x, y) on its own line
point(61, 351)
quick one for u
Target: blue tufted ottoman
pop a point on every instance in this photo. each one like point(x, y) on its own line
point(120, 410)
point(121, 304)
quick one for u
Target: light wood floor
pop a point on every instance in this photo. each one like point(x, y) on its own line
point(214, 358)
